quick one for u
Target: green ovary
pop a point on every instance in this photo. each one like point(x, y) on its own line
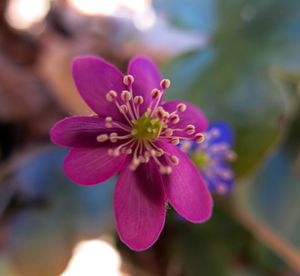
point(146, 128)
point(200, 159)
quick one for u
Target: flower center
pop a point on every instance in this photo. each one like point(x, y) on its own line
point(144, 132)
point(200, 159)
point(146, 128)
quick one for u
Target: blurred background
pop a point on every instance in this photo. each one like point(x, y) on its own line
point(238, 60)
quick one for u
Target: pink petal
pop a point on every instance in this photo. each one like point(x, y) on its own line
point(146, 78)
point(139, 203)
point(185, 188)
point(94, 77)
point(192, 115)
point(79, 131)
point(90, 166)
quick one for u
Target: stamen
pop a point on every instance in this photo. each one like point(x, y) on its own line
point(174, 159)
point(121, 111)
point(174, 118)
point(165, 169)
point(124, 147)
point(138, 100)
point(160, 113)
point(134, 164)
point(190, 129)
point(111, 95)
point(165, 84)
point(108, 122)
point(113, 137)
point(168, 132)
point(199, 138)
point(181, 107)
point(155, 93)
point(128, 80)
point(156, 96)
point(102, 138)
point(126, 96)
point(175, 141)
point(148, 111)
point(123, 108)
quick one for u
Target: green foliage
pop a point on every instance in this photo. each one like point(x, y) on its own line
point(230, 78)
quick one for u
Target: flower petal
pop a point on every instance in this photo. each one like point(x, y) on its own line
point(139, 203)
point(90, 166)
point(192, 115)
point(185, 188)
point(79, 131)
point(146, 78)
point(94, 77)
point(226, 134)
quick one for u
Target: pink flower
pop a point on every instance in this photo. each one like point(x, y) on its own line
point(135, 133)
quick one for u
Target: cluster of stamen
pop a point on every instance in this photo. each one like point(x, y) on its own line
point(143, 131)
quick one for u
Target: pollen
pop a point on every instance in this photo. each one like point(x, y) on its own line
point(146, 128)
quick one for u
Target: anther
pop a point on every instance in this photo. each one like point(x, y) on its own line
point(165, 84)
point(113, 137)
point(162, 169)
point(108, 122)
point(153, 152)
point(190, 129)
point(141, 159)
point(174, 159)
point(174, 118)
point(181, 107)
point(165, 169)
point(175, 141)
point(138, 100)
point(126, 96)
point(128, 80)
point(160, 113)
point(123, 108)
point(148, 111)
point(168, 170)
point(168, 132)
point(111, 95)
point(116, 153)
point(199, 138)
point(155, 93)
point(102, 138)
point(134, 164)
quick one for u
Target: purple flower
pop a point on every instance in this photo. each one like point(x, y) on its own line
point(212, 157)
point(135, 133)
